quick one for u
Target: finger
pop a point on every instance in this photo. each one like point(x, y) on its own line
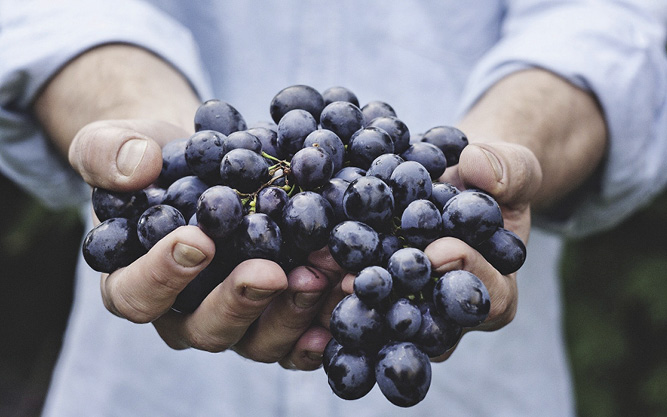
point(306, 354)
point(121, 155)
point(147, 288)
point(447, 254)
point(288, 316)
point(227, 312)
point(325, 263)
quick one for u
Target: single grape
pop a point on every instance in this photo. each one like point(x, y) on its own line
point(330, 350)
point(269, 140)
point(174, 165)
point(302, 97)
point(442, 192)
point(339, 94)
point(244, 170)
point(350, 174)
point(327, 141)
point(397, 130)
point(504, 250)
point(157, 222)
point(311, 168)
point(154, 194)
point(333, 191)
point(258, 236)
point(108, 204)
point(219, 211)
point(421, 223)
point(219, 116)
point(403, 373)
point(351, 374)
point(376, 108)
point(389, 244)
point(410, 268)
point(450, 140)
point(111, 245)
point(367, 144)
point(342, 118)
point(471, 216)
point(203, 153)
point(383, 166)
point(293, 129)
point(271, 201)
point(241, 139)
point(356, 325)
point(462, 298)
point(403, 319)
point(354, 245)
point(430, 156)
point(372, 285)
point(369, 200)
point(436, 334)
point(184, 193)
point(307, 221)
point(410, 181)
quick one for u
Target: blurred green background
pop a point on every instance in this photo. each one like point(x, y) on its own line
point(615, 286)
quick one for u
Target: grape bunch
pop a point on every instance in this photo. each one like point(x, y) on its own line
point(325, 172)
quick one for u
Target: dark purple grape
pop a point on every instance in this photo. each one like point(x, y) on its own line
point(376, 108)
point(351, 374)
point(403, 320)
point(421, 223)
point(109, 204)
point(258, 236)
point(403, 373)
point(471, 216)
point(442, 192)
point(219, 116)
point(369, 200)
point(271, 201)
point(397, 130)
point(154, 194)
point(342, 118)
point(330, 351)
point(388, 245)
point(269, 140)
point(462, 298)
point(450, 140)
point(356, 325)
point(264, 124)
point(244, 170)
point(333, 191)
point(203, 153)
point(327, 141)
point(354, 245)
point(372, 285)
point(428, 155)
point(219, 211)
point(339, 94)
point(311, 168)
point(293, 129)
point(384, 165)
point(307, 221)
point(410, 181)
point(294, 97)
point(350, 174)
point(111, 245)
point(367, 144)
point(242, 139)
point(436, 335)
point(184, 193)
point(157, 222)
point(410, 268)
point(504, 250)
point(174, 165)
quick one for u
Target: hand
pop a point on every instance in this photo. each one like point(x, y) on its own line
point(257, 311)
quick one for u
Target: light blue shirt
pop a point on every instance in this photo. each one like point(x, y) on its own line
point(431, 60)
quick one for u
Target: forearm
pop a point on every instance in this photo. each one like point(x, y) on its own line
point(113, 82)
point(560, 123)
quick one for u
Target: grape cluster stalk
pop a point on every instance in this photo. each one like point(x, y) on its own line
point(326, 172)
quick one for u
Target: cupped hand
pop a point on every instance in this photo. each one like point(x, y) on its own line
point(258, 311)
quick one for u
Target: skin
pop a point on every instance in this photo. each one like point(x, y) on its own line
point(535, 138)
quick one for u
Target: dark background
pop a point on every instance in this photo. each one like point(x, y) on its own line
point(615, 286)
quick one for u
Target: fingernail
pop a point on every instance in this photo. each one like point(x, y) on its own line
point(306, 299)
point(187, 256)
point(495, 164)
point(129, 156)
point(257, 294)
point(314, 356)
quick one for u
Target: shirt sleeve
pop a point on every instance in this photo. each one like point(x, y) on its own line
point(616, 50)
point(37, 38)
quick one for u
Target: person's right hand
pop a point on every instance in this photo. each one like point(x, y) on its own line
point(257, 310)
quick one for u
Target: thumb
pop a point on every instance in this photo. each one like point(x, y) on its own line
point(509, 172)
point(121, 155)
